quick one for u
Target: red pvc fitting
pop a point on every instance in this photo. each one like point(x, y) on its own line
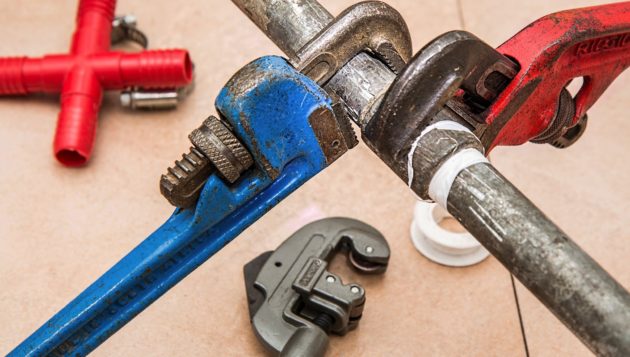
point(11, 80)
point(147, 69)
point(82, 76)
point(76, 126)
point(153, 68)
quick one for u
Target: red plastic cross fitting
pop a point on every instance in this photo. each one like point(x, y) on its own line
point(82, 75)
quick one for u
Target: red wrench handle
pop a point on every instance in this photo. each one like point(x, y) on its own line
point(592, 42)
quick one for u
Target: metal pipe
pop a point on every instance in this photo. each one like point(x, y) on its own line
point(556, 270)
point(291, 24)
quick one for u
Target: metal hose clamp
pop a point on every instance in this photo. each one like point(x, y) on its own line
point(125, 29)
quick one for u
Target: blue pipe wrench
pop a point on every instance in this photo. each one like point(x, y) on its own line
point(287, 123)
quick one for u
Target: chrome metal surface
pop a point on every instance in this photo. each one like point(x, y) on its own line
point(138, 99)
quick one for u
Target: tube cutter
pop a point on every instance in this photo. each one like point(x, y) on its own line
point(294, 301)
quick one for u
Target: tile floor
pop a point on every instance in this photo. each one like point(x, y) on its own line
point(61, 228)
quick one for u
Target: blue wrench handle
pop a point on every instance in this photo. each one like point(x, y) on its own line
point(287, 154)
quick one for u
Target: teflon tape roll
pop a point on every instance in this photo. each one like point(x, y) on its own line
point(439, 244)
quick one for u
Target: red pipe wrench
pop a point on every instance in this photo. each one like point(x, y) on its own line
point(593, 43)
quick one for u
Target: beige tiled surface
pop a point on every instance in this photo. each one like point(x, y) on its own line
point(62, 228)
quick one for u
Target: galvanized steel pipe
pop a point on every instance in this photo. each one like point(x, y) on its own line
point(555, 269)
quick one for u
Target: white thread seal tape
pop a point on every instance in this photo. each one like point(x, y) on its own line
point(443, 125)
point(443, 179)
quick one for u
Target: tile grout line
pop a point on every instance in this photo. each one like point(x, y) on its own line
point(520, 316)
point(462, 23)
point(460, 14)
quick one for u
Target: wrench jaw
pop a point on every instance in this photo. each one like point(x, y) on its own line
point(415, 99)
point(322, 137)
point(591, 43)
point(250, 129)
point(370, 26)
point(295, 301)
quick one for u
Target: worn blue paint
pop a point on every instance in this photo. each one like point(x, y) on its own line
point(272, 120)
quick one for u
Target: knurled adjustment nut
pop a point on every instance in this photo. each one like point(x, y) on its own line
point(222, 148)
